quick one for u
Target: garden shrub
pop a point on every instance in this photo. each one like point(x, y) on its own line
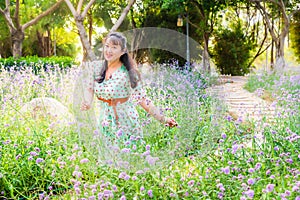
point(36, 63)
point(232, 51)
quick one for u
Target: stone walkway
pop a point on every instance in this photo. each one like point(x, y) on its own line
point(241, 103)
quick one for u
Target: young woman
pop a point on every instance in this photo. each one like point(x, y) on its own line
point(117, 85)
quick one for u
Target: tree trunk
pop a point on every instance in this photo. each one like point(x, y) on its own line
point(280, 61)
point(90, 22)
point(88, 53)
point(16, 29)
point(17, 37)
point(205, 56)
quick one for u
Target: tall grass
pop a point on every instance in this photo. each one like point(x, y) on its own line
point(209, 156)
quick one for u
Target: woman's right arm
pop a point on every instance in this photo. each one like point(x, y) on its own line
point(87, 99)
point(88, 86)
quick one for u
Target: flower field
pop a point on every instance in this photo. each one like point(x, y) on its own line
point(208, 156)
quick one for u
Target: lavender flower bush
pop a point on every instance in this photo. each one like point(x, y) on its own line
point(215, 157)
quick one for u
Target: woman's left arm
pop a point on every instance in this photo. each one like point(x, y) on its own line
point(155, 112)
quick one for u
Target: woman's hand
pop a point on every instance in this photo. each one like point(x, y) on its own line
point(171, 122)
point(85, 106)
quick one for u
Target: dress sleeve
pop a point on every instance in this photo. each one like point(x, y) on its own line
point(87, 75)
point(138, 93)
point(90, 73)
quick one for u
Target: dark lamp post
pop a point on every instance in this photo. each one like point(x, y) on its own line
point(180, 24)
point(179, 21)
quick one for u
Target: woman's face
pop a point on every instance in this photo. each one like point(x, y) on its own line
point(112, 51)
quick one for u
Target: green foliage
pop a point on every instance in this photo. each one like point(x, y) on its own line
point(295, 36)
point(232, 51)
point(272, 84)
point(36, 63)
point(44, 159)
point(5, 50)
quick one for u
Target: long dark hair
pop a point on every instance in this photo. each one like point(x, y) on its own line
point(119, 39)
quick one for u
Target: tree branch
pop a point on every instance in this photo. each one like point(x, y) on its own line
point(16, 15)
point(122, 17)
point(292, 13)
point(199, 9)
point(266, 18)
point(193, 24)
point(86, 9)
point(79, 6)
point(47, 12)
point(276, 2)
point(71, 7)
point(6, 15)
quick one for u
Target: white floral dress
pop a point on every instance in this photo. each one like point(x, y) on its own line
point(126, 129)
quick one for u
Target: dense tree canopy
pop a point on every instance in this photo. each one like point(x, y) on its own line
point(47, 36)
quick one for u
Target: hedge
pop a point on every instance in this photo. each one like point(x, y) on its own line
point(36, 63)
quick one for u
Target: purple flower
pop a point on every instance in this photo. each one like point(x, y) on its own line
point(270, 187)
point(220, 195)
point(295, 188)
point(287, 193)
point(100, 195)
point(108, 194)
point(289, 160)
point(105, 123)
point(123, 197)
point(257, 166)
point(33, 153)
point(39, 160)
point(85, 160)
point(221, 187)
point(151, 160)
point(191, 183)
point(251, 181)
point(37, 149)
point(127, 177)
point(150, 194)
point(114, 187)
point(276, 148)
point(226, 170)
point(122, 175)
point(172, 195)
point(147, 147)
point(18, 156)
point(139, 172)
point(142, 189)
point(234, 148)
point(42, 196)
point(125, 150)
point(119, 133)
point(250, 194)
point(297, 198)
point(223, 135)
point(251, 170)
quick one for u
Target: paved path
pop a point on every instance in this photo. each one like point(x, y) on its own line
point(241, 103)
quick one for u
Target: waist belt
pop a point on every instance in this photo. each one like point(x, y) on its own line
point(113, 103)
